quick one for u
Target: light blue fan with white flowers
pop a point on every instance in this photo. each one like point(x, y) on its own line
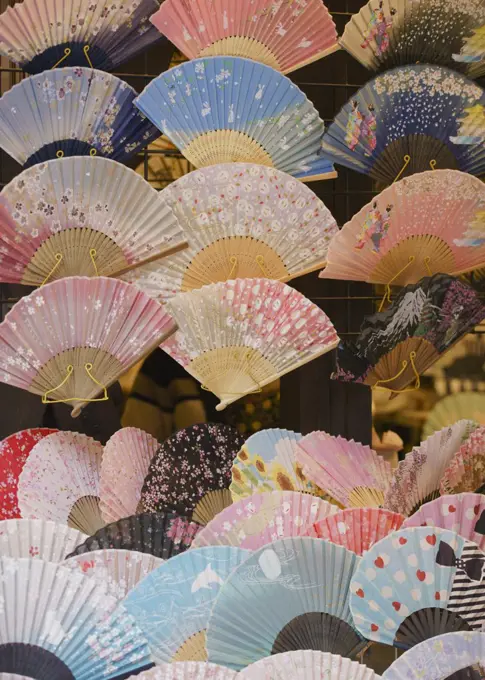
point(230, 109)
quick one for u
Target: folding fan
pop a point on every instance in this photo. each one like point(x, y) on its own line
point(263, 518)
point(238, 336)
point(14, 451)
point(242, 221)
point(172, 605)
point(307, 665)
point(71, 339)
point(417, 478)
point(426, 223)
point(188, 670)
point(161, 534)
point(473, 53)
point(81, 216)
point(396, 346)
point(349, 471)
point(60, 481)
point(38, 538)
point(417, 583)
point(60, 624)
point(125, 463)
point(192, 469)
point(72, 112)
point(39, 36)
point(357, 529)
point(463, 513)
point(455, 407)
point(407, 121)
point(284, 35)
point(300, 590)
point(198, 106)
point(466, 470)
point(388, 33)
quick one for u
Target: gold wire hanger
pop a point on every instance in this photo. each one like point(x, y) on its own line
point(88, 367)
point(405, 363)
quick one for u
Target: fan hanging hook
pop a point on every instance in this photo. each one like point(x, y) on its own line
point(233, 261)
point(67, 52)
point(388, 292)
point(93, 152)
point(88, 367)
point(432, 164)
point(86, 49)
point(58, 257)
point(60, 153)
point(427, 261)
point(405, 364)
point(92, 254)
point(407, 160)
point(260, 263)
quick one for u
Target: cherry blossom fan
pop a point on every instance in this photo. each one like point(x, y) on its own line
point(188, 670)
point(446, 411)
point(38, 538)
point(124, 465)
point(307, 665)
point(466, 470)
point(71, 339)
point(238, 336)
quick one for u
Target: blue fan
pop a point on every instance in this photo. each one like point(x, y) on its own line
point(72, 112)
point(299, 589)
point(229, 109)
point(409, 120)
point(172, 604)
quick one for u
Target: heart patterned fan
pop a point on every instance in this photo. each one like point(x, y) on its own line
point(306, 665)
point(85, 216)
point(430, 222)
point(38, 538)
point(72, 112)
point(285, 36)
point(43, 351)
point(187, 670)
point(192, 470)
point(238, 336)
point(242, 221)
point(198, 106)
point(409, 120)
point(300, 588)
point(458, 406)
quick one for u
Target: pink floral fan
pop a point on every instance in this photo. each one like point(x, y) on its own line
point(466, 471)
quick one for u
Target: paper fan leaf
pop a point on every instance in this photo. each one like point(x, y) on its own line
point(61, 211)
point(352, 473)
point(192, 469)
point(238, 336)
point(188, 670)
point(304, 664)
point(38, 538)
point(274, 124)
point(124, 466)
point(300, 587)
point(43, 351)
point(466, 470)
point(454, 407)
point(94, 114)
point(418, 111)
point(417, 583)
point(263, 518)
point(430, 222)
point(242, 221)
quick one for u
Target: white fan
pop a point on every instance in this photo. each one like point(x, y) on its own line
point(307, 665)
point(188, 670)
point(38, 538)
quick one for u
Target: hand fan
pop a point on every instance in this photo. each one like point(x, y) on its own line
point(161, 534)
point(300, 589)
point(197, 105)
point(60, 481)
point(352, 473)
point(307, 665)
point(238, 336)
point(388, 33)
point(188, 670)
point(417, 478)
point(242, 221)
point(77, 216)
point(357, 529)
point(71, 112)
point(119, 571)
point(473, 53)
point(125, 463)
point(14, 451)
point(463, 513)
point(192, 469)
point(455, 407)
point(395, 347)
point(38, 538)
point(72, 339)
point(285, 36)
point(61, 624)
point(417, 583)
point(263, 518)
point(466, 470)
point(404, 122)
point(423, 224)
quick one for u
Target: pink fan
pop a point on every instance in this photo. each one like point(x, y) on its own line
point(126, 459)
point(284, 35)
point(466, 471)
point(263, 518)
point(357, 529)
point(463, 513)
point(71, 339)
point(350, 472)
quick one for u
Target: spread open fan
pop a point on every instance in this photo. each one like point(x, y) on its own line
point(38, 538)
point(187, 670)
point(307, 665)
point(466, 470)
point(455, 407)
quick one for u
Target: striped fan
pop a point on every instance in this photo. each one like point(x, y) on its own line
point(187, 670)
point(307, 665)
point(455, 407)
point(38, 538)
point(72, 112)
point(466, 470)
point(198, 106)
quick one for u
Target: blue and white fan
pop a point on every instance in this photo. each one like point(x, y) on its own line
point(172, 605)
point(230, 109)
point(409, 120)
point(72, 112)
